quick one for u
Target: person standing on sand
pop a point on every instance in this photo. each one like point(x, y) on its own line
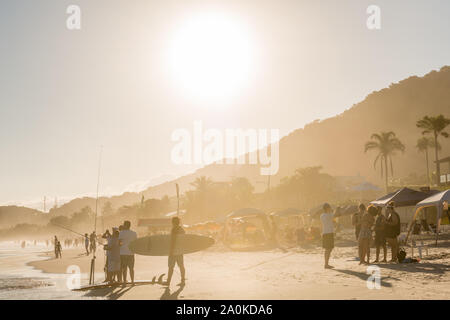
point(380, 239)
point(126, 236)
point(58, 249)
point(86, 243)
point(55, 243)
point(326, 219)
point(365, 234)
point(113, 257)
point(179, 258)
point(93, 241)
point(356, 219)
point(392, 230)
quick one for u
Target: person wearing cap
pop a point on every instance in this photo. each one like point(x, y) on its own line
point(326, 218)
point(392, 229)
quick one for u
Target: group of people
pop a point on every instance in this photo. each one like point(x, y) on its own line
point(367, 221)
point(120, 259)
point(385, 227)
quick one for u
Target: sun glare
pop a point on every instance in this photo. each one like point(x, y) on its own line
point(211, 56)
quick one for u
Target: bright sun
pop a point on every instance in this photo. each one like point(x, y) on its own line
point(211, 56)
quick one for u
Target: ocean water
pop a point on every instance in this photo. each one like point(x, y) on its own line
point(21, 282)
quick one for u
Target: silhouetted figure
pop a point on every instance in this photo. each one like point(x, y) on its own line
point(86, 243)
point(392, 229)
point(58, 249)
point(178, 258)
point(93, 242)
point(327, 233)
point(113, 257)
point(126, 236)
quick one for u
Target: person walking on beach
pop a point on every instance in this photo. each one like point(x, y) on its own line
point(175, 258)
point(326, 219)
point(392, 230)
point(365, 234)
point(380, 238)
point(126, 236)
point(86, 243)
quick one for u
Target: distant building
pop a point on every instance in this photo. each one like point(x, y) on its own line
point(445, 170)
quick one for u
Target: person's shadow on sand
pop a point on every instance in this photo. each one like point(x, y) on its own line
point(171, 296)
point(364, 276)
point(110, 293)
point(422, 267)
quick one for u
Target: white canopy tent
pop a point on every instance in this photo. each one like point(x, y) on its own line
point(438, 200)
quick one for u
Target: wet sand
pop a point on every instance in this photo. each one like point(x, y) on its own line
point(297, 273)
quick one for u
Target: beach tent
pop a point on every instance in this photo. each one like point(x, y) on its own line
point(405, 200)
point(403, 197)
point(437, 201)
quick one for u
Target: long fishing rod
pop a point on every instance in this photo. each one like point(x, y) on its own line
point(84, 236)
point(57, 225)
point(92, 273)
point(98, 184)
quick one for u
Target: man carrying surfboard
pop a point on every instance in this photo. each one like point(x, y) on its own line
point(175, 259)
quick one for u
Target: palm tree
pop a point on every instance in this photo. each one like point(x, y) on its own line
point(202, 188)
point(423, 144)
point(436, 126)
point(386, 143)
point(202, 184)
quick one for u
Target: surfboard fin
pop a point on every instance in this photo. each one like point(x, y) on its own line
point(154, 280)
point(160, 281)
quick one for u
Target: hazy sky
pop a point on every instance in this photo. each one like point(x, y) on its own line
point(112, 83)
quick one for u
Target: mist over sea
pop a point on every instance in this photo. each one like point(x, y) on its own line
point(21, 282)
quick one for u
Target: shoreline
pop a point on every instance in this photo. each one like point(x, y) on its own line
point(297, 274)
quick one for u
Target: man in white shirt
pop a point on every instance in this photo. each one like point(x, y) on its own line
point(126, 236)
point(327, 233)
